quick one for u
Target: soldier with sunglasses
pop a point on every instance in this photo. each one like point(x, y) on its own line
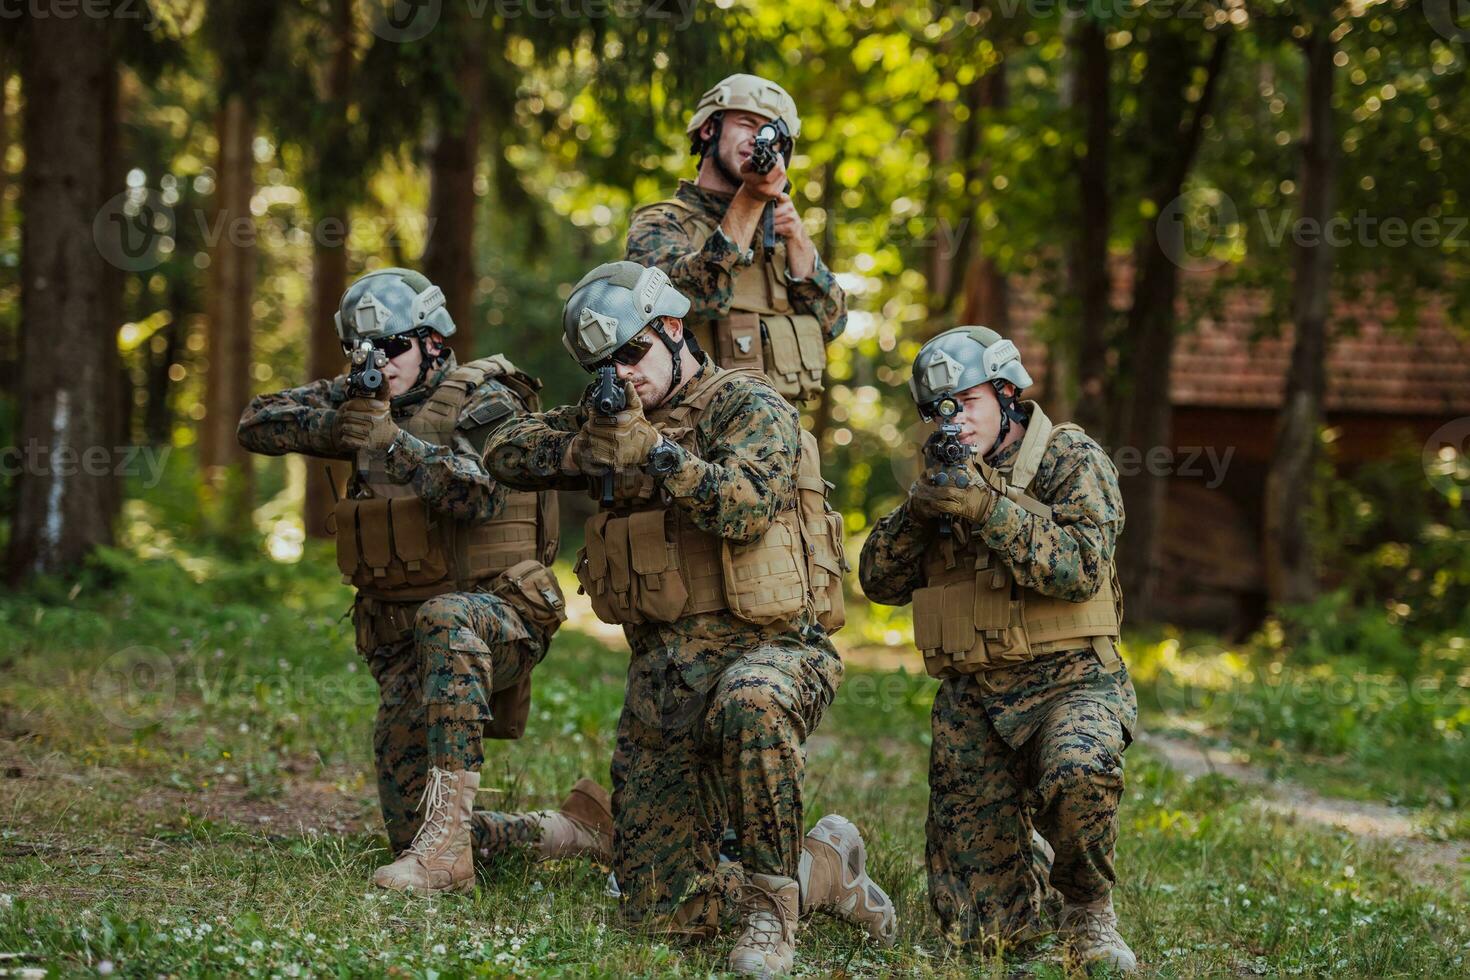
point(455, 603)
point(707, 558)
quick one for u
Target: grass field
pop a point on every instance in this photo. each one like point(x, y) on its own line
point(187, 791)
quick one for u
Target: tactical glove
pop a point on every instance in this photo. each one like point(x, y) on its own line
point(618, 443)
point(365, 423)
point(966, 492)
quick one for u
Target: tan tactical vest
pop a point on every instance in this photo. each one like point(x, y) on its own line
point(762, 331)
point(392, 546)
point(972, 616)
point(651, 563)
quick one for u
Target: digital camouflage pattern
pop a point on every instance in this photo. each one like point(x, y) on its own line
point(1039, 743)
point(705, 272)
point(436, 663)
point(451, 478)
point(716, 709)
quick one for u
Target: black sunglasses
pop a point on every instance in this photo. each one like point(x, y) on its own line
point(390, 346)
point(629, 354)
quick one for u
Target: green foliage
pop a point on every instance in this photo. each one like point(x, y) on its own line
point(1395, 540)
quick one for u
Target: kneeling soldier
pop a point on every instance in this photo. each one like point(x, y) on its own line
point(1008, 560)
point(705, 551)
point(455, 604)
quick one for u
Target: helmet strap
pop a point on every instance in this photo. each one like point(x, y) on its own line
point(1010, 411)
point(675, 348)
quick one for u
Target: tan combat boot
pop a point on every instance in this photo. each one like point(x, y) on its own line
point(583, 825)
point(767, 947)
point(1091, 930)
point(833, 876)
point(441, 857)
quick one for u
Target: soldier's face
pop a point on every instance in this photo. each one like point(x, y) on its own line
point(979, 416)
point(653, 376)
point(737, 137)
point(402, 371)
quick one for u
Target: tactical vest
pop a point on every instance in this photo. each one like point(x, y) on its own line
point(392, 546)
point(762, 331)
point(972, 616)
point(650, 563)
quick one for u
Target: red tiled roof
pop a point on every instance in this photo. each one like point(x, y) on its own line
point(1375, 368)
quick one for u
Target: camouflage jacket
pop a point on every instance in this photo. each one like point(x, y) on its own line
point(1067, 556)
point(705, 271)
point(452, 479)
point(742, 476)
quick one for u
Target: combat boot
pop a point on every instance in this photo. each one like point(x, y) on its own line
point(1091, 930)
point(583, 825)
point(833, 876)
point(441, 857)
point(767, 947)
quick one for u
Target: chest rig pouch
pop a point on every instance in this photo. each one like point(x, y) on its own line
point(655, 565)
point(972, 615)
point(762, 332)
point(392, 546)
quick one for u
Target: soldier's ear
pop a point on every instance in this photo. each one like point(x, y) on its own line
point(707, 131)
point(674, 327)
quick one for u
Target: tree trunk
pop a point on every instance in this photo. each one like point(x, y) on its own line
point(225, 466)
point(1089, 266)
point(449, 255)
point(329, 268)
point(987, 294)
point(1151, 319)
point(62, 502)
point(1291, 573)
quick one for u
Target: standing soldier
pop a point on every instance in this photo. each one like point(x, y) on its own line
point(455, 604)
point(1008, 561)
point(771, 308)
point(712, 520)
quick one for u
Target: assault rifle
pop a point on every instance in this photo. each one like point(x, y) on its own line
point(365, 371)
point(771, 139)
point(365, 365)
point(943, 451)
point(608, 399)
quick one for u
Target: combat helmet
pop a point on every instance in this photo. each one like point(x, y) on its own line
point(612, 303)
point(958, 360)
point(748, 93)
point(388, 302)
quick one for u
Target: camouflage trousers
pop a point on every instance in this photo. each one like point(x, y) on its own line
point(437, 663)
point(696, 753)
point(986, 792)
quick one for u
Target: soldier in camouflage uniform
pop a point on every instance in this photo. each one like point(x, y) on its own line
point(455, 604)
point(771, 309)
point(1008, 561)
point(701, 556)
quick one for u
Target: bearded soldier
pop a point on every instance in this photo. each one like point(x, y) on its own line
point(771, 307)
point(1008, 560)
point(455, 604)
point(704, 553)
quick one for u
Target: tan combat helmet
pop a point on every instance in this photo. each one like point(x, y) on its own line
point(748, 93)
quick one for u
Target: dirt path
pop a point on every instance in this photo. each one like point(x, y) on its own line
point(1438, 864)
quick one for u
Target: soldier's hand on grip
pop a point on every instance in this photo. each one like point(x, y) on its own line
point(614, 443)
point(967, 492)
point(764, 186)
point(365, 423)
